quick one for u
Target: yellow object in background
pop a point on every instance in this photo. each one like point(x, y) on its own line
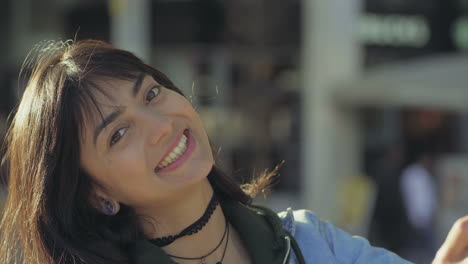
point(116, 7)
point(356, 199)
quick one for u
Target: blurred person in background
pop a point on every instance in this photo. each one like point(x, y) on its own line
point(109, 163)
point(419, 194)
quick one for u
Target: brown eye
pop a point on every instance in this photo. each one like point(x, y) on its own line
point(152, 94)
point(117, 136)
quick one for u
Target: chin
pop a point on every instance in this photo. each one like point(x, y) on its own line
point(190, 174)
point(201, 172)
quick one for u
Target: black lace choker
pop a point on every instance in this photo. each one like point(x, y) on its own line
point(191, 229)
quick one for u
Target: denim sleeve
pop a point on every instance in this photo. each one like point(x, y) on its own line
point(322, 241)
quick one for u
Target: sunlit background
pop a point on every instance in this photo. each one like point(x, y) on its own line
point(348, 93)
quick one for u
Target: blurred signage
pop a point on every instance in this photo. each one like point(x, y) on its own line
point(394, 30)
point(406, 30)
point(460, 33)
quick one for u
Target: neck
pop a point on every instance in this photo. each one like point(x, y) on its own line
point(182, 212)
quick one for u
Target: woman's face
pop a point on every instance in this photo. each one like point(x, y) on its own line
point(148, 146)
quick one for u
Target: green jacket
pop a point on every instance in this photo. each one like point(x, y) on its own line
point(260, 229)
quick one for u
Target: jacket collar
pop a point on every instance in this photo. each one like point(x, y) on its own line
point(260, 229)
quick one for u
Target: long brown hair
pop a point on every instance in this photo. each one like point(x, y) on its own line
point(48, 216)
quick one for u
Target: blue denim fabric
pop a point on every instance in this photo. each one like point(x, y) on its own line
point(323, 243)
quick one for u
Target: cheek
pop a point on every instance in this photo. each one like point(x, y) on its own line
point(124, 175)
point(127, 163)
point(187, 107)
point(188, 110)
point(114, 169)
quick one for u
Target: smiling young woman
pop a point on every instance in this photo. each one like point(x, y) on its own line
point(109, 163)
point(105, 151)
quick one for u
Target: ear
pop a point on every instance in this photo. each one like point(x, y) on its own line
point(104, 202)
point(110, 207)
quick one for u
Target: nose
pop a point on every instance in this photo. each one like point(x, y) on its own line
point(158, 127)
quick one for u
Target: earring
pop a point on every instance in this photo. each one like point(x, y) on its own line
point(108, 207)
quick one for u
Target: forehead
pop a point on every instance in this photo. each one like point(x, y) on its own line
point(110, 92)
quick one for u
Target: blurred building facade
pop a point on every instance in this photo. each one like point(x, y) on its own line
point(340, 90)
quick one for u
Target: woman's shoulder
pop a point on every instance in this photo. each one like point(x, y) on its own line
point(322, 242)
point(303, 218)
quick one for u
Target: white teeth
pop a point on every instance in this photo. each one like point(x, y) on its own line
point(176, 152)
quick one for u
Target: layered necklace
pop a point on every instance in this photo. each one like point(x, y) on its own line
point(194, 228)
point(202, 259)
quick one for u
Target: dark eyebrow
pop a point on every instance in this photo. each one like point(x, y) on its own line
point(113, 116)
point(105, 122)
point(137, 85)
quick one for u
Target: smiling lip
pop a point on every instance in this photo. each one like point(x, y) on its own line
point(177, 163)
